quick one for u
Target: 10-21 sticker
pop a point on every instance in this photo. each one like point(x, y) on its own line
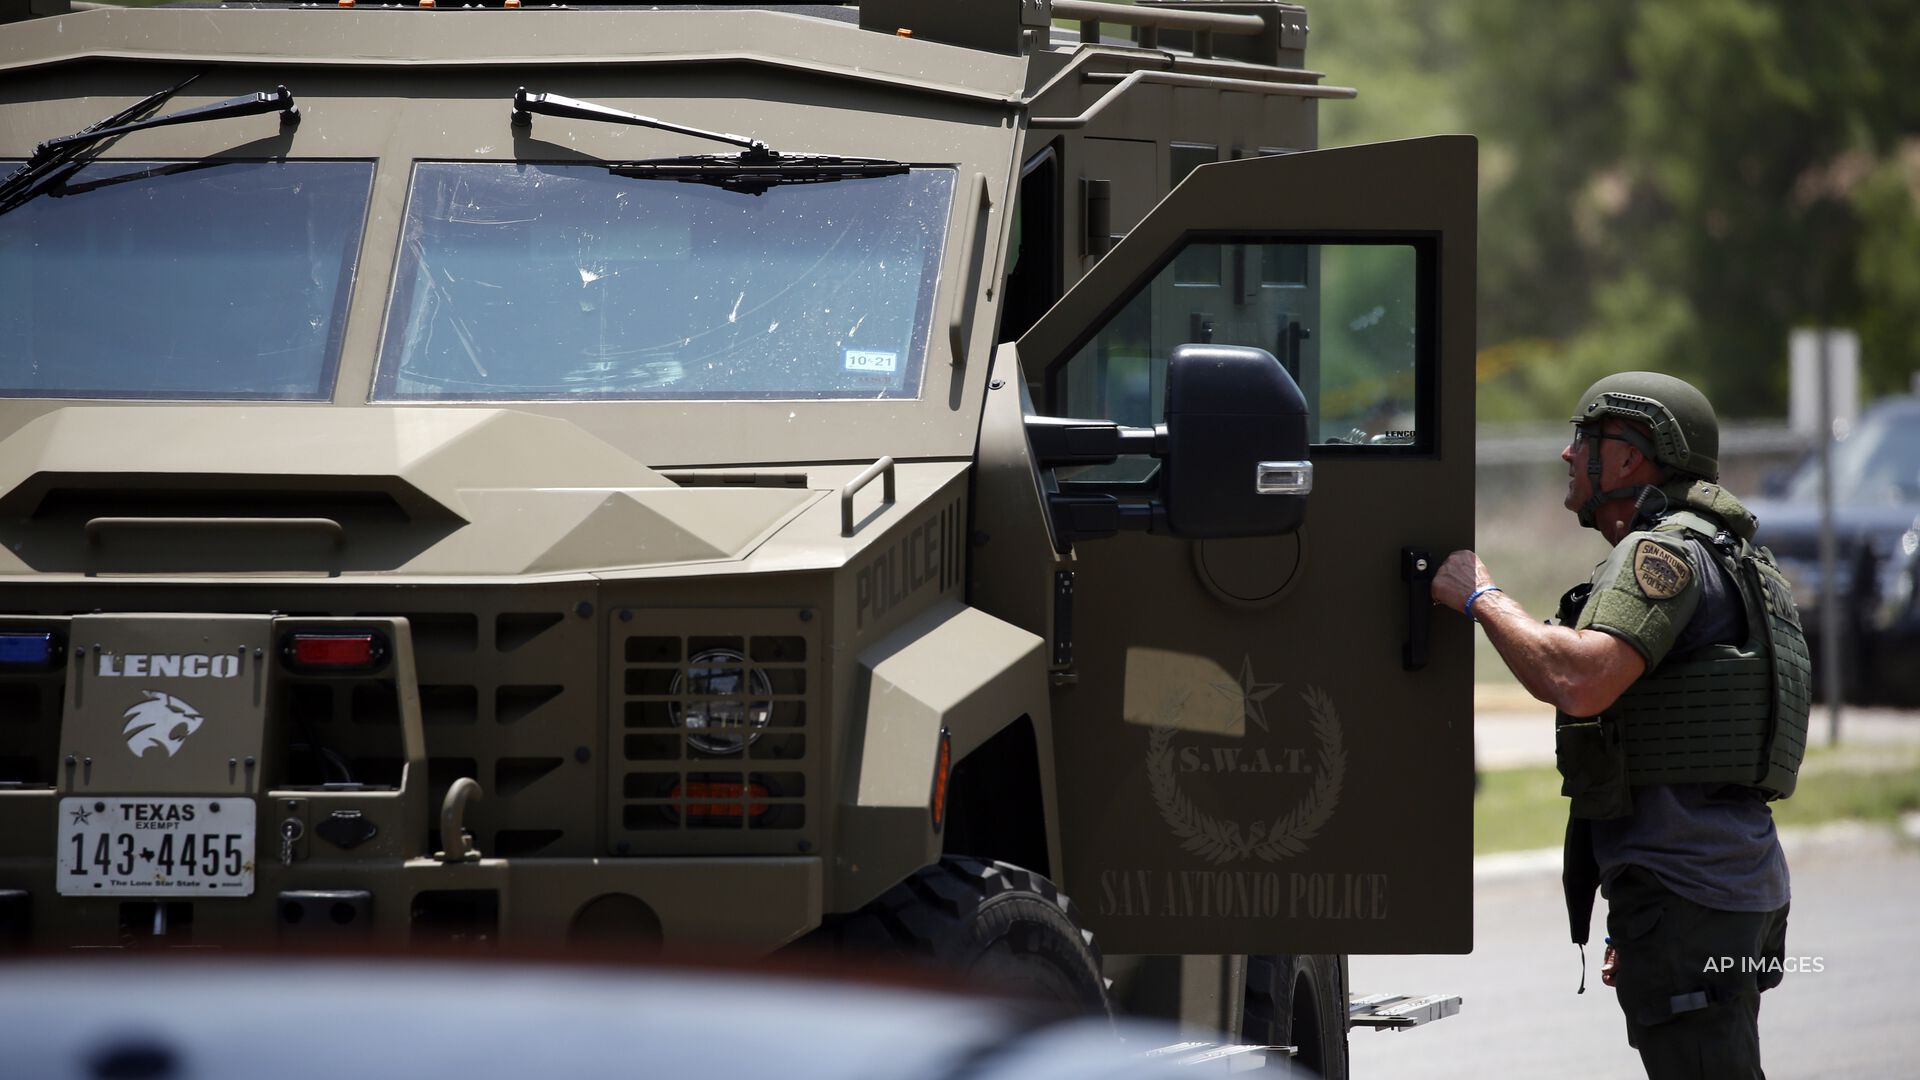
point(872, 362)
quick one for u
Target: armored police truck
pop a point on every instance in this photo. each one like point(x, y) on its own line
point(729, 476)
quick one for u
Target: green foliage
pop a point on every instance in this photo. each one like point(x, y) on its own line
point(1664, 185)
point(1399, 55)
point(1887, 262)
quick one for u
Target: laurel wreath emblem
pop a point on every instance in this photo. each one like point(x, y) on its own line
point(1219, 841)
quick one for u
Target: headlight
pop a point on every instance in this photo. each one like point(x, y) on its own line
point(728, 701)
point(1895, 584)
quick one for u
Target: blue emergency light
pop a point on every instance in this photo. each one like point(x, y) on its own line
point(25, 648)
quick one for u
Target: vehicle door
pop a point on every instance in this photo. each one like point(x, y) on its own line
point(1265, 744)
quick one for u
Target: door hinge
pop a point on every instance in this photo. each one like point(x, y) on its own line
point(1062, 618)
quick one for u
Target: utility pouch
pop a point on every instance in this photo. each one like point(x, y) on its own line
point(1572, 602)
point(1593, 768)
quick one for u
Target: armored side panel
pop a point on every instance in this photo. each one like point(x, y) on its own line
point(1263, 745)
point(1792, 689)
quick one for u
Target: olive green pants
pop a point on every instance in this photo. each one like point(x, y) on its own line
point(1687, 1017)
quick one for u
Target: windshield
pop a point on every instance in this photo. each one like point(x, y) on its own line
point(1879, 463)
point(142, 279)
point(529, 282)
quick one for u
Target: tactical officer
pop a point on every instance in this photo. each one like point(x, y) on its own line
point(1680, 680)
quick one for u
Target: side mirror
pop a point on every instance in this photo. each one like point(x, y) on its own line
point(1233, 452)
point(1236, 461)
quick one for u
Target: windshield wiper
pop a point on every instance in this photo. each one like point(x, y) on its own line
point(526, 104)
point(68, 153)
point(753, 175)
point(752, 171)
point(44, 162)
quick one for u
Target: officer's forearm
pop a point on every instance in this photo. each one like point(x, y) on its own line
point(1579, 672)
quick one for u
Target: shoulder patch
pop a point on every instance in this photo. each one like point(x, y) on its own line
point(1660, 573)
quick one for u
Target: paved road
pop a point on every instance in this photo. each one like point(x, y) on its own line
point(1855, 905)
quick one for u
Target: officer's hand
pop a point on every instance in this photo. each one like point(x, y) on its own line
point(1457, 578)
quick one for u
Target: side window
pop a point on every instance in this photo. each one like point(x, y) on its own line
point(1282, 265)
point(1350, 319)
point(1033, 278)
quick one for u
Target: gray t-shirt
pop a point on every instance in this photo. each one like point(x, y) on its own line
point(1713, 844)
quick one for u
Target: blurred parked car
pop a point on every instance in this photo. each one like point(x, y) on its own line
point(238, 1017)
point(1876, 517)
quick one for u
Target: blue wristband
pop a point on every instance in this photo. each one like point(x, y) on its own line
point(1477, 594)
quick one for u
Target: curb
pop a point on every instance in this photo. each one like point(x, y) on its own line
point(1508, 865)
point(1807, 839)
point(1910, 825)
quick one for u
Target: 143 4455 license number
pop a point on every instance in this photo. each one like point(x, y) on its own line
point(156, 847)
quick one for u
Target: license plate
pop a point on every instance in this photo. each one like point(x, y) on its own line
point(126, 846)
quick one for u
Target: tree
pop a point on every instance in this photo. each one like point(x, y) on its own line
point(1665, 185)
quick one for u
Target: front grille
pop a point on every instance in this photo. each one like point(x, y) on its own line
point(506, 697)
point(713, 753)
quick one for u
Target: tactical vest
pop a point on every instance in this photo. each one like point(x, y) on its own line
point(1722, 714)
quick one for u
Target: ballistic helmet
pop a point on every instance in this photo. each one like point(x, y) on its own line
point(1686, 435)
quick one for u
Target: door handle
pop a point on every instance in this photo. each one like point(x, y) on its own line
point(1416, 569)
point(1291, 335)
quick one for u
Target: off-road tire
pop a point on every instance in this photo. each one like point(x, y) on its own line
point(998, 926)
point(1298, 1001)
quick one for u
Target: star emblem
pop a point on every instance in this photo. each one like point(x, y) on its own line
point(82, 816)
point(1251, 692)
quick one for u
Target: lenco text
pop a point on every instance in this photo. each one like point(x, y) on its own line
point(169, 666)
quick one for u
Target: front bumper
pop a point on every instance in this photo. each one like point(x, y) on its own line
point(748, 906)
point(521, 708)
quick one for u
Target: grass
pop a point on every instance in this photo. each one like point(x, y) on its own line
point(1878, 793)
point(1518, 809)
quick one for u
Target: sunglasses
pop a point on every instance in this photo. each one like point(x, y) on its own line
point(1583, 434)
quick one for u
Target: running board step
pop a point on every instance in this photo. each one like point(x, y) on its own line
point(1393, 1012)
point(1221, 1057)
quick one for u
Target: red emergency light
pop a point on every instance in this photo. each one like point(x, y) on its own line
point(335, 652)
point(732, 792)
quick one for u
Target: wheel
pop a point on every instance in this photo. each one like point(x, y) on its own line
point(998, 926)
point(1298, 1001)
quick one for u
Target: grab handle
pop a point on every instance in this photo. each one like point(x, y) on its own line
point(883, 467)
point(1417, 569)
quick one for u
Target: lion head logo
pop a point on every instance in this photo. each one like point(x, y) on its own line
point(162, 720)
